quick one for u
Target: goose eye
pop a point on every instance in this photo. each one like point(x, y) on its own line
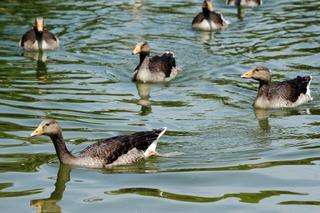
point(47, 124)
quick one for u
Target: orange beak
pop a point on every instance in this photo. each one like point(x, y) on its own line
point(210, 7)
point(248, 74)
point(39, 24)
point(39, 131)
point(136, 50)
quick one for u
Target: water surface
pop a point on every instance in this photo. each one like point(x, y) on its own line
point(232, 157)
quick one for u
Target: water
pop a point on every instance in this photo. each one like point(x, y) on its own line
point(232, 158)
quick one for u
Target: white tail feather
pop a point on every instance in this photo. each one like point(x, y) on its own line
point(152, 148)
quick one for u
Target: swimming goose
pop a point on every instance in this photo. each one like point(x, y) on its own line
point(208, 19)
point(289, 93)
point(156, 68)
point(119, 150)
point(38, 38)
point(244, 3)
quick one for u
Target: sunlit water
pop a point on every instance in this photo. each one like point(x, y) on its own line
point(229, 156)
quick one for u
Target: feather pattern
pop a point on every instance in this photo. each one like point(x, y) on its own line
point(290, 89)
point(112, 148)
point(164, 63)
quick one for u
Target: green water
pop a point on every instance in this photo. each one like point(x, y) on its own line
point(229, 157)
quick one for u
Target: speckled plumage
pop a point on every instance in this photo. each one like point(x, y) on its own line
point(110, 149)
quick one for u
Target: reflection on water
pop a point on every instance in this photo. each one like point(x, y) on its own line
point(243, 197)
point(50, 204)
point(263, 115)
point(144, 90)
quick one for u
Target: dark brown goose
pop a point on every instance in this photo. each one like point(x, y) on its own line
point(289, 93)
point(154, 69)
point(209, 20)
point(244, 3)
point(119, 150)
point(38, 38)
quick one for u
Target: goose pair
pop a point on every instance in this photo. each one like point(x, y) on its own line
point(150, 69)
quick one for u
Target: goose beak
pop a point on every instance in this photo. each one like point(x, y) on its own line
point(40, 27)
point(136, 50)
point(210, 7)
point(39, 24)
point(248, 74)
point(39, 131)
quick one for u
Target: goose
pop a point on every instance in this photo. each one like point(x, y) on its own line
point(38, 38)
point(114, 151)
point(209, 20)
point(154, 69)
point(289, 93)
point(244, 3)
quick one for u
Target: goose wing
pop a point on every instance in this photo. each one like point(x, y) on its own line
point(216, 18)
point(163, 63)
point(198, 19)
point(29, 36)
point(112, 148)
point(291, 89)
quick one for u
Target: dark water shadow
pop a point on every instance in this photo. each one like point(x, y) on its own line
point(7, 194)
point(50, 204)
point(243, 197)
point(250, 166)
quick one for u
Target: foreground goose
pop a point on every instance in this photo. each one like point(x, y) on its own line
point(156, 68)
point(208, 19)
point(290, 93)
point(244, 3)
point(119, 150)
point(38, 38)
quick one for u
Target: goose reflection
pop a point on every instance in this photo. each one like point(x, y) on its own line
point(41, 71)
point(240, 4)
point(207, 36)
point(51, 204)
point(41, 67)
point(144, 90)
point(263, 115)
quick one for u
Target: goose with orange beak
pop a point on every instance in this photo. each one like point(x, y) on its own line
point(114, 151)
point(154, 69)
point(38, 38)
point(209, 20)
point(289, 93)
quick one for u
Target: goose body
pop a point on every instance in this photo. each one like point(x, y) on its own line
point(119, 150)
point(209, 20)
point(289, 93)
point(38, 38)
point(244, 3)
point(154, 69)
